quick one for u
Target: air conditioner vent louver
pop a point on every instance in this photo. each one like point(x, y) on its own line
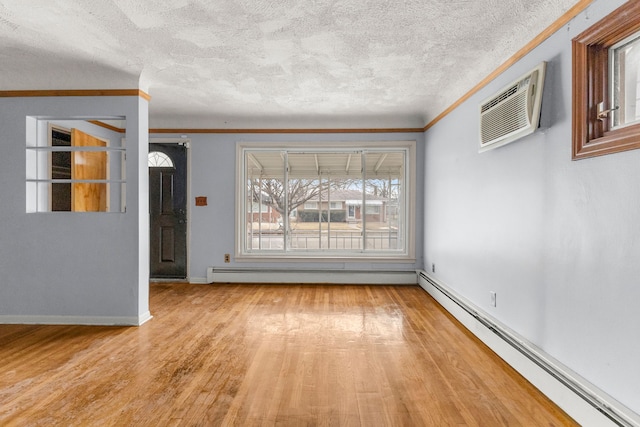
point(505, 118)
point(514, 112)
point(504, 95)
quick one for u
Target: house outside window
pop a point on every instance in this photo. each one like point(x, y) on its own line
point(341, 197)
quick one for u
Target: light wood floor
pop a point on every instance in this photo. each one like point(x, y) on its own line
point(266, 355)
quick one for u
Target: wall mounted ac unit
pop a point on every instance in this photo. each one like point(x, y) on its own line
point(513, 112)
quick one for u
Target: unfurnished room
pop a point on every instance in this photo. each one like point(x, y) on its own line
point(337, 212)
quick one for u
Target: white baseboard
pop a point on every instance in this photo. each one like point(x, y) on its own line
point(583, 401)
point(77, 320)
point(198, 280)
point(144, 318)
point(347, 277)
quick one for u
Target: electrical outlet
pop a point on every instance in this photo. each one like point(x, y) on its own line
point(227, 258)
point(493, 298)
point(433, 268)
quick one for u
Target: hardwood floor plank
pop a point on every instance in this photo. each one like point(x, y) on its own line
point(266, 355)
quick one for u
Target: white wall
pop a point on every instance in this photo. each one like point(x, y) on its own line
point(558, 240)
point(213, 174)
point(62, 267)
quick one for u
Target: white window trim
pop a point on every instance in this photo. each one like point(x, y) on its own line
point(408, 256)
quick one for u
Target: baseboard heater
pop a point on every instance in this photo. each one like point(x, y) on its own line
point(292, 275)
point(621, 417)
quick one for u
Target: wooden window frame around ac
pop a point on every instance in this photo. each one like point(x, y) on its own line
point(591, 136)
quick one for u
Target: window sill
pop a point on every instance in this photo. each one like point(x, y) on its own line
point(323, 258)
point(615, 141)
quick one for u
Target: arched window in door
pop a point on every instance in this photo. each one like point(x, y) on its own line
point(158, 159)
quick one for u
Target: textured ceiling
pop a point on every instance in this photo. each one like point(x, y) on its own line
point(267, 63)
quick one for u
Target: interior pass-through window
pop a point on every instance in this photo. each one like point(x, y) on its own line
point(75, 165)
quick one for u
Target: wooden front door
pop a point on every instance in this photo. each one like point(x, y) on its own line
point(168, 212)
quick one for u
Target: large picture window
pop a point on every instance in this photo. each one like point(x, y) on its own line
point(326, 201)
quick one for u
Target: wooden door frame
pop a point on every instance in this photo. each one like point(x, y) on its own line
point(187, 143)
point(107, 169)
